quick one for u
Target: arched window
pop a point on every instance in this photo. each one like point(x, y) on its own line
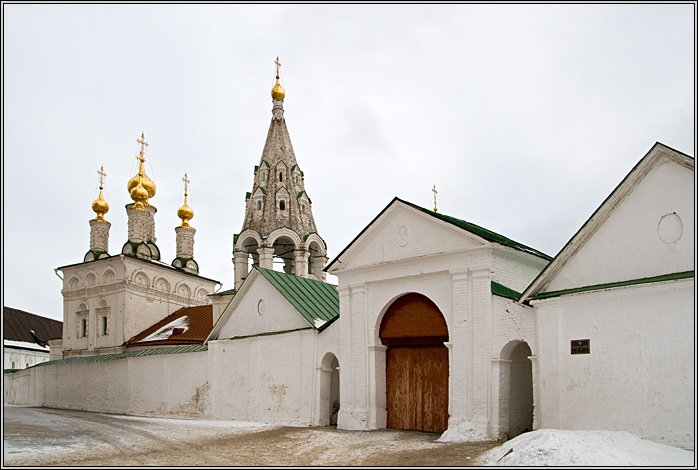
point(259, 205)
point(282, 205)
point(281, 176)
point(104, 325)
point(83, 327)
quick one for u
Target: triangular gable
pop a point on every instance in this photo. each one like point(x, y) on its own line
point(474, 234)
point(570, 270)
point(315, 303)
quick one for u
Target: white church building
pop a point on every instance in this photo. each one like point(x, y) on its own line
point(436, 324)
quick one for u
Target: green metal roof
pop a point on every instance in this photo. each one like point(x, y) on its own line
point(112, 357)
point(317, 302)
point(504, 291)
point(475, 229)
point(610, 285)
point(480, 231)
point(225, 292)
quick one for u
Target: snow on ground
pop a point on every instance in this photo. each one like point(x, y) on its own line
point(584, 448)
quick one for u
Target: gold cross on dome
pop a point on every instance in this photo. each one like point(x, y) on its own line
point(278, 64)
point(144, 144)
point(434, 191)
point(186, 183)
point(101, 174)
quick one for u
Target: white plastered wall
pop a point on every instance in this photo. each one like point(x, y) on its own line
point(273, 379)
point(639, 376)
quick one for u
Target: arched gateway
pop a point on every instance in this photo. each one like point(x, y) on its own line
point(414, 331)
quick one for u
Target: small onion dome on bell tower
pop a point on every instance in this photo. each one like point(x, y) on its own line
point(278, 92)
point(185, 212)
point(100, 206)
point(141, 178)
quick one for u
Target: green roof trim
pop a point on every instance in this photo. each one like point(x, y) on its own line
point(112, 357)
point(317, 302)
point(504, 291)
point(256, 167)
point(271, 333)
point(300, 194)
point(611, 285)
point(266, 163)
point(294, 167)
point(247, 195)
point(235, 238)
point(480, 231)
point(225, 292)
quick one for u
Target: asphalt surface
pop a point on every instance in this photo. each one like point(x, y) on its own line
point(53, 437)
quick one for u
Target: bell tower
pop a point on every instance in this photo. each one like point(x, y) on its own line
point(279, 228)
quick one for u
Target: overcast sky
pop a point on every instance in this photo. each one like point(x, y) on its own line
point(525, 117)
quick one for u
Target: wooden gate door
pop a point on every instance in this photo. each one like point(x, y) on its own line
point(417, 387)
point(416, 365)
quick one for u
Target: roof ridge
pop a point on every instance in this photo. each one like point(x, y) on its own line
point(479, 230)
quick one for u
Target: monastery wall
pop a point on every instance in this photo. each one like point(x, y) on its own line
point(268, 378)
point(639, 373)
point(274, 378)
point(167, 385)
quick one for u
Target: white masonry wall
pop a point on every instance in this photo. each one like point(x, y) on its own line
point(640, 374)
point(274, 379)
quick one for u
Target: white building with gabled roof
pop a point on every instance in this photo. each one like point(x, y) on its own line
point(429, 321)
point(615, 311)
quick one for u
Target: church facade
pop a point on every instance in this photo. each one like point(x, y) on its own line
point(436, 324)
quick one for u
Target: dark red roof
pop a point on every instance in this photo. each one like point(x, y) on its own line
point(188, 325)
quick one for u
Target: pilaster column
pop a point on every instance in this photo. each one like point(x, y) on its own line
point(378, 417)
point(479, 344)
point(266, 257)
point(301, 258)
point(534, 379)
point(240, 263)
point(459, 350)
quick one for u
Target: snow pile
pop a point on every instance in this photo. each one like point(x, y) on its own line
point(584, 448)
point(464, 432)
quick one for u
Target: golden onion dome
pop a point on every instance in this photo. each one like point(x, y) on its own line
point(146, 182)
point(185, 213)
point(100, 206)
point(139, 195)
point(278, 92)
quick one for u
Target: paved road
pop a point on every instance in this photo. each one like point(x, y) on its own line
point(43, 436)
